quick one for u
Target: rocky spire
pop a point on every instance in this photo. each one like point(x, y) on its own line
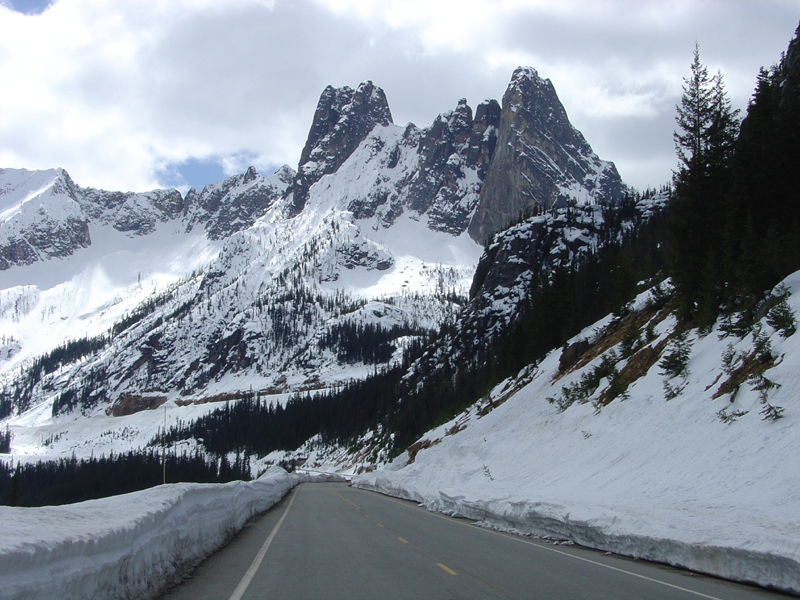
point(453, 145)
point(343, 119)
point(540, 159)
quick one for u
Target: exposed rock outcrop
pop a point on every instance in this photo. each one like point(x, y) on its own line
point(135, 214)
point(235, 203)
point(343, 119)
point(541, 160)
point(42, 217)
point(454, 154)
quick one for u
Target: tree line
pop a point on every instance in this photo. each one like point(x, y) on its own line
point(735, 214)
point(69, 480)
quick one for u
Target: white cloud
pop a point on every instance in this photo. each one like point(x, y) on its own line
point(114, 90)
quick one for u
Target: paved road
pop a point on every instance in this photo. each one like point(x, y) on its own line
point(330, 541)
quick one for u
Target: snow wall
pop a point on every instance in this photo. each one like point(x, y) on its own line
point(668, 480)
point(127, 546)
point(761, 566)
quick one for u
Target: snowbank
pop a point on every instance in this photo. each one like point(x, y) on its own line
point(127, 546)
point(646, 534)
point(665, 480)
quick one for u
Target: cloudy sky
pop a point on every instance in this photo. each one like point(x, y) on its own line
point(136, 94)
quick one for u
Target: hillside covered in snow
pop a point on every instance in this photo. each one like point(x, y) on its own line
point(603, 367)
point(606, 444)
point(112, 303)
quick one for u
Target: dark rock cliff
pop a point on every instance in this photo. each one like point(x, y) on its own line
point(343, 119)
point(540, 161)
point(452, 146)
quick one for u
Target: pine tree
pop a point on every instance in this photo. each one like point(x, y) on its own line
point(704, 143)
point(694, 118)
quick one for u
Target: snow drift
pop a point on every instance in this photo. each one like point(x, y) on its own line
point(127, 546)
point(705, 480)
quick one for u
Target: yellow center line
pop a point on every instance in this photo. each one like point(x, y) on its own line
point(357, 507)
point(402, 540)
point(548, 549)
point(446, 569)
point(379, 524)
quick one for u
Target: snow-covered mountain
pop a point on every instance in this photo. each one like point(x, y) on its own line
point(44, 215)
point(261, 283)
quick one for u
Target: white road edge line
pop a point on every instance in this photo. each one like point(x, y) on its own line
point(248, 577)
point(599, 564)
point(543, 547)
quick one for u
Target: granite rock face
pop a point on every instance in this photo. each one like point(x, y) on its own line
point(132, 213)
point(45, 239)
point(343, 119)
point(540, 161)
point(433, 173)
point(454, 154)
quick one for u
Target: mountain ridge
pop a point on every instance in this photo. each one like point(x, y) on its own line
point(285, 262)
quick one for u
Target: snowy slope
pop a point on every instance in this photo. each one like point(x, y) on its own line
point(675, 481)
point(238, 288)
point(40, 217)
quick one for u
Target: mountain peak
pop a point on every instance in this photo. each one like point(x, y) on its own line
point(526, 73)
point(343, 119)
point(285, 174)
point(250, 175)
point(40, 217)
point(541, 159)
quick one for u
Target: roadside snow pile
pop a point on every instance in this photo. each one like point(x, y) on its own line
point(709, 480)
point(127, 546)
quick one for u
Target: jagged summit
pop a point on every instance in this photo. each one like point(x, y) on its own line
point(461, 172)
point(343, 119)
point(236, 202)
point(541, 159)
point(266, 273)
point(454, 154)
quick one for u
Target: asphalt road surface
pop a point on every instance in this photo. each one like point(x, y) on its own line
point(331, 541)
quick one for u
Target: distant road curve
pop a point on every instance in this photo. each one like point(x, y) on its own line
point(331, 541)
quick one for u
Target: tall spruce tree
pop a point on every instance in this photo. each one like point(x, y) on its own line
point(704, 143)
point(694, 118)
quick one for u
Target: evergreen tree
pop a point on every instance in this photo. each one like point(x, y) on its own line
point(763, 206)
point(694, 118)
point(704, 143)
